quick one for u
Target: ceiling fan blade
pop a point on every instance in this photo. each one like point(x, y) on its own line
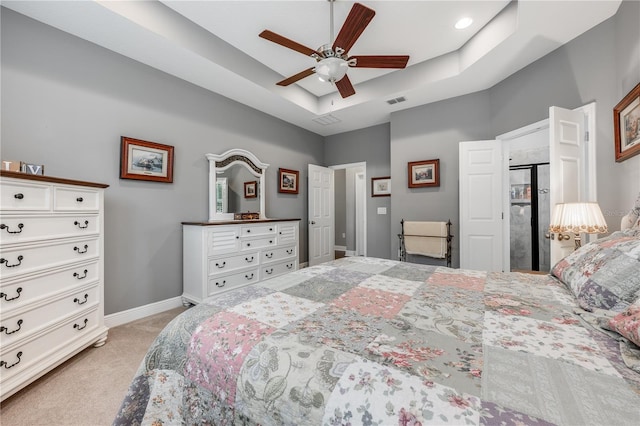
point(383, 61)
point(283, 41)
point(356, 22)
point(345, 87)
point(294, 78)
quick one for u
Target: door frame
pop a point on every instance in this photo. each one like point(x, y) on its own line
point(363, 200)
point(589, 111)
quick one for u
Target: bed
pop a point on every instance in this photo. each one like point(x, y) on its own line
point(380, 342)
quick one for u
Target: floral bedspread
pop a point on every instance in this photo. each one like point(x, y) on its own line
point(379, 342)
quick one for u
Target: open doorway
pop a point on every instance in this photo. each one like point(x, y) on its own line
point(350, 209)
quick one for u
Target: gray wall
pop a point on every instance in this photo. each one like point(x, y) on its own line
point(370, 145)
point(65, 104)
point(430, 132)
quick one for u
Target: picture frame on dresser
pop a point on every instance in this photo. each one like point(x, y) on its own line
point(626, 125)
point(144, 160)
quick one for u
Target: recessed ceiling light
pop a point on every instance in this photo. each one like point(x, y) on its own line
point(463, 23)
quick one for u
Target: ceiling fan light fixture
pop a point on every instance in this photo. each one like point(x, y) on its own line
point(331, 69)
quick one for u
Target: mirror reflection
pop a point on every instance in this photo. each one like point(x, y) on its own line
point(231, 195)
point(236, 184)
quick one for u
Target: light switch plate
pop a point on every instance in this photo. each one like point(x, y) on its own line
point(382, 210)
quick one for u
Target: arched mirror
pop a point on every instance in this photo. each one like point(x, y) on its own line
point(236, 184)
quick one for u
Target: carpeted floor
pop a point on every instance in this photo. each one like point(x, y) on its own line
point(87, 389)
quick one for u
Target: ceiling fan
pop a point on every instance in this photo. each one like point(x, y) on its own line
point(332, 59)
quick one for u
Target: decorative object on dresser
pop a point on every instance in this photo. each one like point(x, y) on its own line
point(626, 125)
point(223, 256)
point(424, 173)
point(288, 181)
point(381, 186)
point(51, 274)
point(143, 160)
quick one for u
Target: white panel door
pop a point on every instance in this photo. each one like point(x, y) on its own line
point(481, 199)
point(566, 150)
point(321, 215)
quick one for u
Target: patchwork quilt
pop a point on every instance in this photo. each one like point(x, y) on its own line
point(380, 342)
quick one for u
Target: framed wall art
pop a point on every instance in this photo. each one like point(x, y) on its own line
point(143, 160)
point(381, 186)
point(626, 125)
point(251, 189)
point(288, 181)
point(424, 173)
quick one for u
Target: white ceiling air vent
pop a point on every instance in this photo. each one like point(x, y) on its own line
point(326, 120)
point(396, 100)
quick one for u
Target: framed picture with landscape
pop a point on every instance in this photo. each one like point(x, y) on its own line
point(143, 160)
point(381, 186)
point(288, 181)
point(424, 173)
point(626, 125)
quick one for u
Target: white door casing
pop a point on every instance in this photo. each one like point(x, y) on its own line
point(481, 205)
point(321, 215)
point(567, 169)
point(361, 217)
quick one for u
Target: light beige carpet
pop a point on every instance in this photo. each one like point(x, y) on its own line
point(87, 389)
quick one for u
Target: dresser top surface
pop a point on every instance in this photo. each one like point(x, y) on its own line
point(237, 222)
point(50, 179)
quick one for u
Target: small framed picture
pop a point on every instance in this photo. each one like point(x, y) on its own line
point(143, 160)
point(288, 181)
point(424, 173)
point(250, 189)
point(626, 125)
point(381, 186)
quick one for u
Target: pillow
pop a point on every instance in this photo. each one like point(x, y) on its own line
point(604, 274)
point(632, 219)
point(627, 323)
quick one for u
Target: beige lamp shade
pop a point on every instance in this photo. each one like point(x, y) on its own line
point(578, 218)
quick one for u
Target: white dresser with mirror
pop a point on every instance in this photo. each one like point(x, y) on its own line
point(223, 253)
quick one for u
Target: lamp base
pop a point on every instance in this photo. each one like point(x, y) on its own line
point(578, 243)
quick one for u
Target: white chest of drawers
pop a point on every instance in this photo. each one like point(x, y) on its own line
point(51, 274)
point(219, 257)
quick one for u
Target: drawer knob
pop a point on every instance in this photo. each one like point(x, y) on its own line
point(268, 255)
point(249, 277)
point(6, 262)
point(77, 275)
point(18, 196)
point(86, 247)
point(7, 366)
point(289, 251)
point(79, 199)
point(270, 241)
point(221, 265)
point(221, 285)
point(290, 265)
point(248, 244)
point(269, 271)
point(6, 330)
point(270, 229)
point(249, 260)
point(20, 226)
point(81, 302)
point(80, 327)
point(248, 231)
point(79, 225)
point(4, 295)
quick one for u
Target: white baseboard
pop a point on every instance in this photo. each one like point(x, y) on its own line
point(340, 248)
point(119, 318)
point(350, 253)
point(303, 265)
